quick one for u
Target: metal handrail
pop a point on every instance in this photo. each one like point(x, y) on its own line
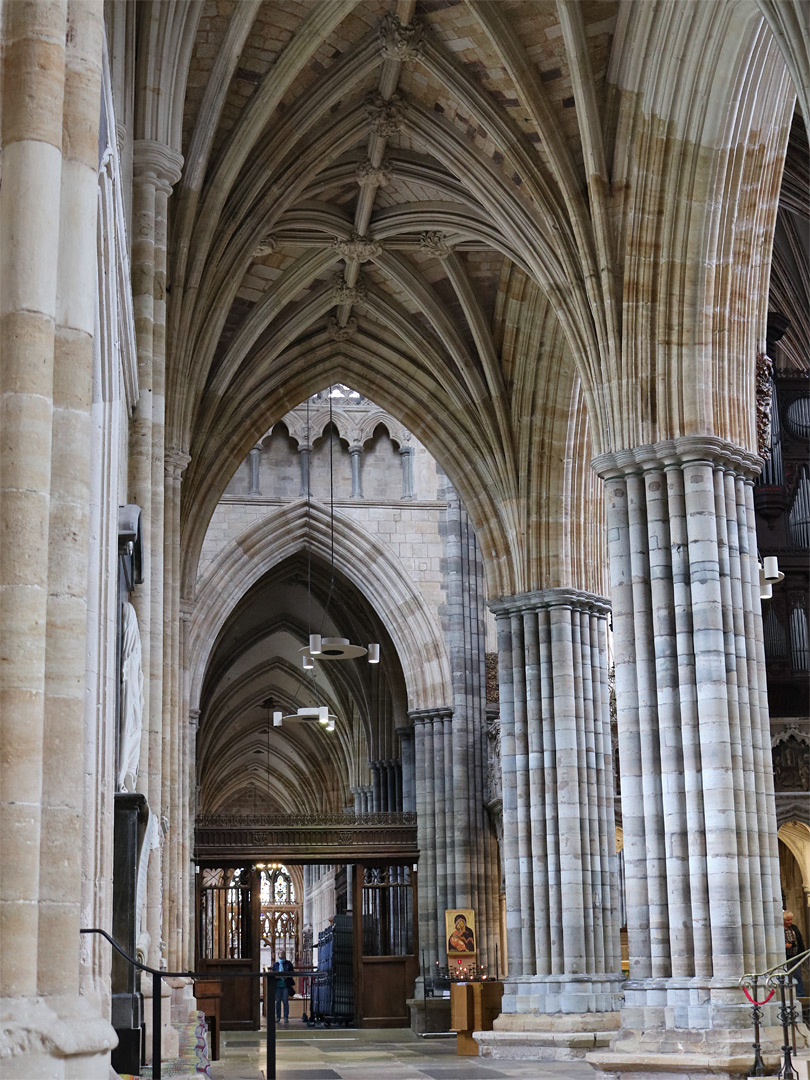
point(157, 975)
point(779, 977)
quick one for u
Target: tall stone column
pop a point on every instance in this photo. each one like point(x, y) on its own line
point(472, 873)
point(558, 823)
point(48, 218)
point(156, 169)
point(406, 745)
point(376, 788)
point(33, 92)
point(697, 788)
point(190, 814)
point(175, 863)
point(428, 732)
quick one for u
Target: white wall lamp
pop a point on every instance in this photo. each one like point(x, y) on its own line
point(769, 575)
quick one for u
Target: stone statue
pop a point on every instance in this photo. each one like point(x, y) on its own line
point(129, 750)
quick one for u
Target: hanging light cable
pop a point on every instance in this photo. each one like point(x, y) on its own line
point(333, 648)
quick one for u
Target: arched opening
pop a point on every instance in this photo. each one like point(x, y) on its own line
point(338, 523)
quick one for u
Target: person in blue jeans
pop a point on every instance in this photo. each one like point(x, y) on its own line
point(284, 987)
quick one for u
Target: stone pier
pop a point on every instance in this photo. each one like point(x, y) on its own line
point(559, 854)
point(697, 786)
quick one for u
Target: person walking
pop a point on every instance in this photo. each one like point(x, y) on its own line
point(284, 987)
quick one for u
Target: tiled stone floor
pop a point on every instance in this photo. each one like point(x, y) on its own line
point(350, 1054)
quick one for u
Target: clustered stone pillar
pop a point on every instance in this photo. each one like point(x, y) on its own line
point(432, 729)
point(48, 216)
point(698, 813)
point(176, 862)
point(472, 876)
point(156, 169)
point(387, 786)
point(407, 769)
point(559, 831)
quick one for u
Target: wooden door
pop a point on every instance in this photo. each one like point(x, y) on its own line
point(385, 945)
point(228, 940)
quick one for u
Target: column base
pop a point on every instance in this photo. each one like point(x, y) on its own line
point(55, 1038)
point(547, 1038)
point(548, 995)
point(687, 1028)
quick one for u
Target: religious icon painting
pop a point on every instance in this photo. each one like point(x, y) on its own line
point(459, 926)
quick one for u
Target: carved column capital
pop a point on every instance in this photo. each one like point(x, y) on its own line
point(686, 450)
point(156, 163)
point(175, 463)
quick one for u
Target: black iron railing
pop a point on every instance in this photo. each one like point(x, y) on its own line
point(778, 979)
point(157, 1020)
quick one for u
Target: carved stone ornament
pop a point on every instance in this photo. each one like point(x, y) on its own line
point(764, 372)
point(266, 246)
point(348, 294)
point(131, 701)
point(384, 116)
point(370, 175)
point(342, 333)
point(435, 244)
point(399, 42)
point(357, 247)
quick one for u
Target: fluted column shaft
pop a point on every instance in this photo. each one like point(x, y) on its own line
point(174, 731)
point(698, 817)
point(156, 169)
point(429, 742)
point(559, 832)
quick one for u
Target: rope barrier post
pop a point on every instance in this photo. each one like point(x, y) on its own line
point(271, 1025)
point(157, 1023)
point(787, 1018)
point(758, 1068)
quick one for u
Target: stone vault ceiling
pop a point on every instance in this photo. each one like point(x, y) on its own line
point(425, 199)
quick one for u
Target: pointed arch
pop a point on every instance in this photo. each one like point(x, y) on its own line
point(368, 565)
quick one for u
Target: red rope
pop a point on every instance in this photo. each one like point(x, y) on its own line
point(765, 1002)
